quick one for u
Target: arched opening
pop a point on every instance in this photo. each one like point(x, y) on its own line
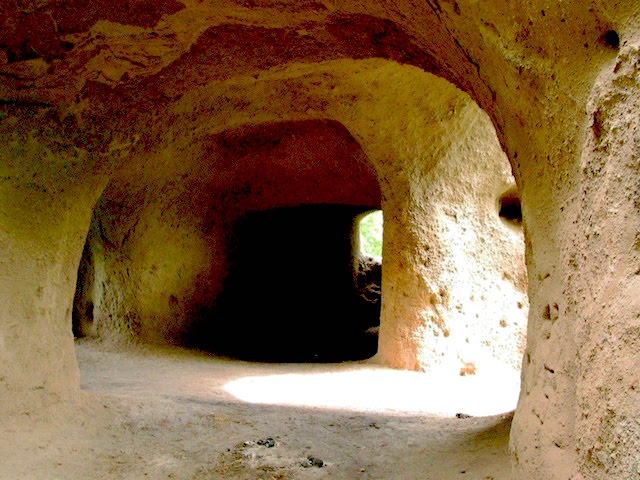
point(82, 313)
point(268, 269)
point(260, 263)
point(442, 219)
point(296, 289)
point(509, 207)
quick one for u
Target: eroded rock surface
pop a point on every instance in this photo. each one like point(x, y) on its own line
point(158, 119)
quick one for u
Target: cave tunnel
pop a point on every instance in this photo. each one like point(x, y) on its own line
point(298, 289)
point(251, 250)
point(110, 92)
point(258, 259)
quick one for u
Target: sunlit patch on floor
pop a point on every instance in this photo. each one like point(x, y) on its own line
point(371, 389)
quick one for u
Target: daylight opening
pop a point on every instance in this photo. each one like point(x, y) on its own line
point(370, 234)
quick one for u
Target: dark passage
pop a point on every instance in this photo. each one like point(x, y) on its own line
point(510, 209)
point(297, 289)
point(82, 313)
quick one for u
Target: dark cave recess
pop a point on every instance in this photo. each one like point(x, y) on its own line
point(298, 289)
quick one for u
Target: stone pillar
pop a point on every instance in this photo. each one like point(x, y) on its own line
point(454, 280)
point(42, 230)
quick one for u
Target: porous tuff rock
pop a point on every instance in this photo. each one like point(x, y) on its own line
point(452, 267)
point(83, 94)
point(161, 237)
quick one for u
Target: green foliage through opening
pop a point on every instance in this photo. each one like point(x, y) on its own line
point(371, 234)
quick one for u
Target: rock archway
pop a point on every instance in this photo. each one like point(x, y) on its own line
point(557, 81)
point(161, 240)
point(451, 266)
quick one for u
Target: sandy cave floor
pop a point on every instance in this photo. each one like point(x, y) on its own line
point(172, 413)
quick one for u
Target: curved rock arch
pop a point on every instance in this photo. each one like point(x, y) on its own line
point(441, 150)
point(531, 68)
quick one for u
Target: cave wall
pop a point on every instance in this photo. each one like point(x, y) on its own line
point(81, 95)
point(454, 280)
point(162, 237)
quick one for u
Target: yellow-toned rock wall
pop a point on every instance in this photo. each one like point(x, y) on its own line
point(91, 97)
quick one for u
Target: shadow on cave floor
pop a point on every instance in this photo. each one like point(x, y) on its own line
point(169, 413)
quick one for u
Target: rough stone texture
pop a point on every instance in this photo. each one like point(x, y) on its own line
point(367, 272)
point(163, 237)
point(582, 365)
point(452, 266)
point(112, 92)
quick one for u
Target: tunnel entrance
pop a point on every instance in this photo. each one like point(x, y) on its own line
point(298, 289)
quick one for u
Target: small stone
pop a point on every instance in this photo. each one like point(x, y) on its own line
point(315, 462)
point(267, 442)
point(468, 368)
